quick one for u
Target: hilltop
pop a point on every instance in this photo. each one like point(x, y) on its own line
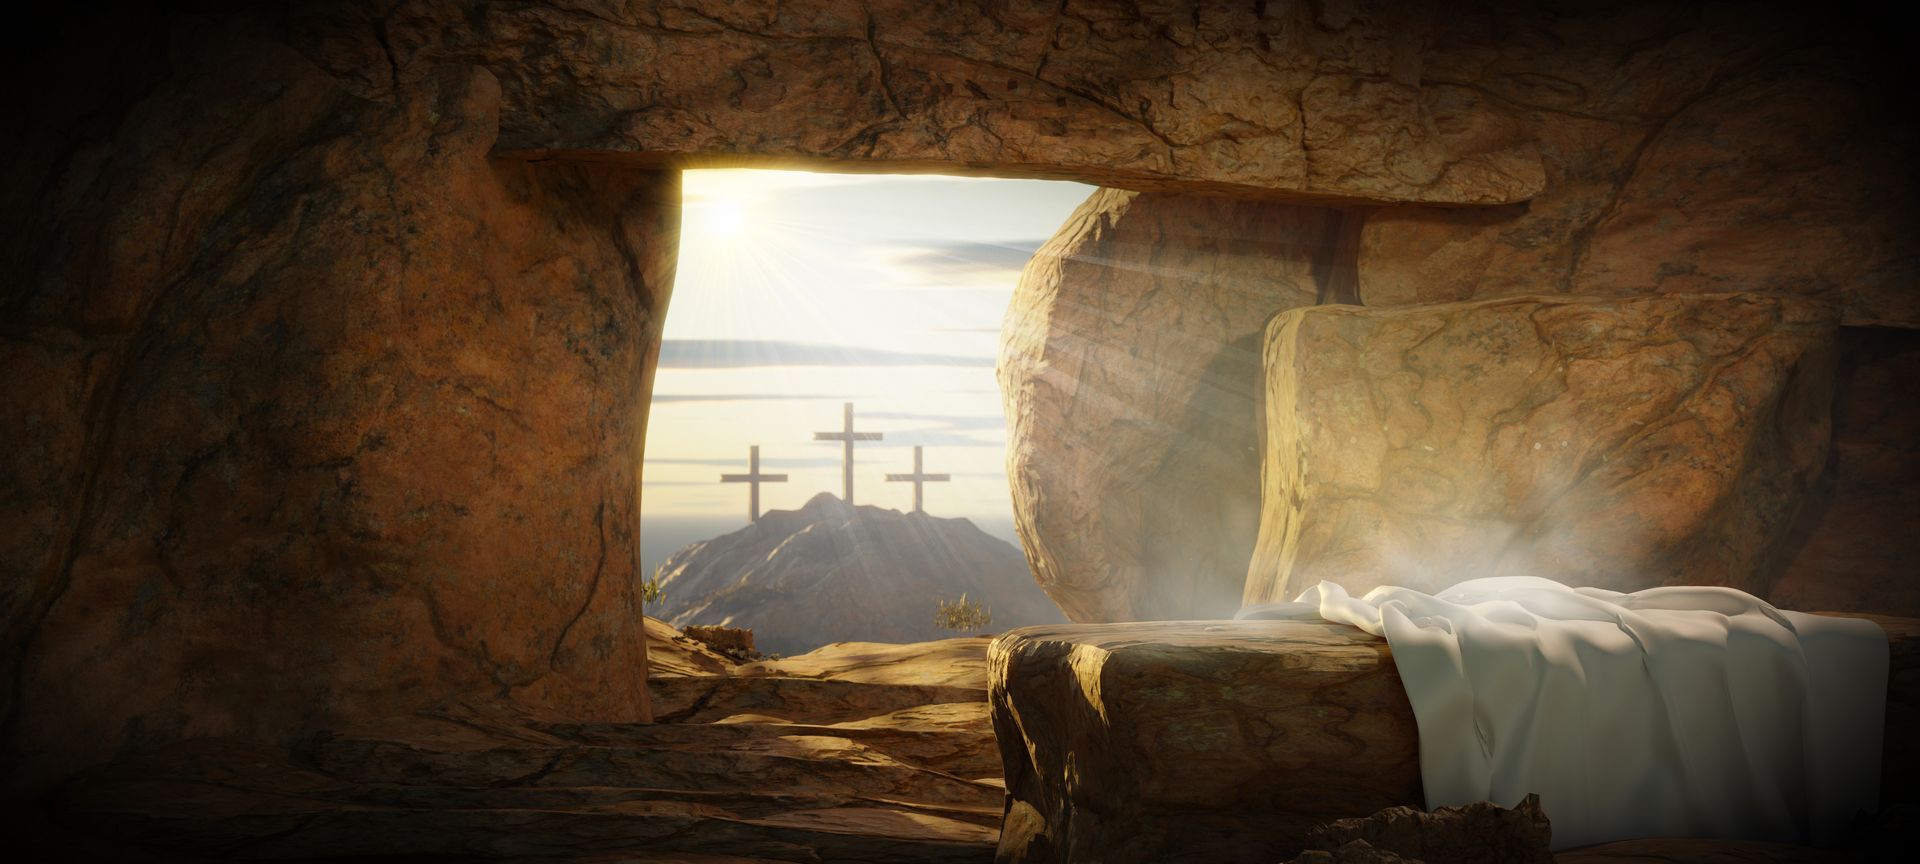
point(830, 572)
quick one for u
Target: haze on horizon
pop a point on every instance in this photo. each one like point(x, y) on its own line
point(799, 291)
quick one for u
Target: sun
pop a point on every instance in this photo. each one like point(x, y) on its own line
point(720, 214)
point(724, 205)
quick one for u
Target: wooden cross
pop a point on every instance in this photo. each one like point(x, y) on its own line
point(849, 436)
point(753, 478)
point(919, 478)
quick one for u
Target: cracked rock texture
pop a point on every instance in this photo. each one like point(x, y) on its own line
point(856, 753)
point(1194, 740)
point(1688, 148)
point(1296, 99)
point(1618, 443)
point(319, 412)
point(1130, 365)
point(328, 326)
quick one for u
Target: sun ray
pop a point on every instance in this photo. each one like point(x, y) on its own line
point(828, 260)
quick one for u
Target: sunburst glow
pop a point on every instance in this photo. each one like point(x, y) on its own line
point(797, 291)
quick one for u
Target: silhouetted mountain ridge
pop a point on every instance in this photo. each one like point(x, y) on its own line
point(833, 572)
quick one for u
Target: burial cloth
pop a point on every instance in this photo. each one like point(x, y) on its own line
point(1668, 712)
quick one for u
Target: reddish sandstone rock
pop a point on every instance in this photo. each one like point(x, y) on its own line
point(1130, 367)
point(672, 654)
point(1620, 443)
point(354, 411)
point(734, 642)
point(1688, 148)
point(1259, 99)
point(261, 319)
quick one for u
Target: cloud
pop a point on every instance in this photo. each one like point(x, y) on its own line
point(942, 421)
point(944, 430)
point(749, 353)
point(941, 261)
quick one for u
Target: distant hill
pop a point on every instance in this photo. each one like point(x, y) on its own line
point(828, 572)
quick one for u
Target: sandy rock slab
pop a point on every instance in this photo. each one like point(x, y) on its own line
point(1216, 741)
point(1615, 442)
point(864, 753)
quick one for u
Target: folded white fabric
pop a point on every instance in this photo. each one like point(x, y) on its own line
point(1669, 712)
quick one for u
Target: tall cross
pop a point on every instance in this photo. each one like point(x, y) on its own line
point(849, 436)
point(753, 478)
point(919, 478)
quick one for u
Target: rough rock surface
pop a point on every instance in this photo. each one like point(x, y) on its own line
point(1619, 443)
point(1130, 365)
point(1666, 146)
point(1194, 741)
point(840, 770)
point(1312, 101)
point(1859, 545)
point(1688, 147)
point(828, 572)
point(270, 291)
point(1479, 833)
point(1212, 741)
point(317, 411)
point(732, 642)
point(671, 653)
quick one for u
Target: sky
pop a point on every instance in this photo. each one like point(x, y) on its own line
point(797, 292)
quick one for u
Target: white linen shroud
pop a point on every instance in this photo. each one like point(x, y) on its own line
point(1669, 712)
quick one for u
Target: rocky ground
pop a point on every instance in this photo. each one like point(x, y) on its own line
point(857, 752)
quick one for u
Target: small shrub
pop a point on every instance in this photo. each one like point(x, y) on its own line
point(650, 592)
point(963, 615)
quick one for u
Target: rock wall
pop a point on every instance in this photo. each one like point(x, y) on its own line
point(1622, 443)
point(1688, 148)
point(1266, 99)
point(1856, 544)
point(328, 325)
point(1130, 366)
point(318, 410)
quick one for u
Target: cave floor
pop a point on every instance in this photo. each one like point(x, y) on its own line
point(853, 753)
point(848, 754)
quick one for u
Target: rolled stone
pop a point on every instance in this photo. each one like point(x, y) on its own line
point(1130, 365)
point(1621, 443)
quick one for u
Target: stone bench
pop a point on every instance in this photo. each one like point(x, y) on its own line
point(1226, 741)
point(1218, 741)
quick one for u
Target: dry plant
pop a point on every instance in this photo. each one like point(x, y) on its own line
point(962, 614)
